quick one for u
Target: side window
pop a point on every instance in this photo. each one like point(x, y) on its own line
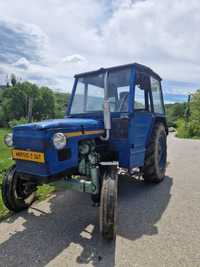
point(142, 86)
point(157, 96)
point(139, 98)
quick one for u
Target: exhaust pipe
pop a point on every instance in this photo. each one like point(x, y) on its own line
point(106, 111)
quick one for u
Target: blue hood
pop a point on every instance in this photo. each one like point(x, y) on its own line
point(68, 124)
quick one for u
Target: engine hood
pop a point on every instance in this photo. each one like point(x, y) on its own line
point(72, 124)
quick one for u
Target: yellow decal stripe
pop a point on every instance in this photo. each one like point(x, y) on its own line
point(73, 134)
point(94, 132)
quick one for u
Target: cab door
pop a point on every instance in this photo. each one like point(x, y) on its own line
point(141, 119)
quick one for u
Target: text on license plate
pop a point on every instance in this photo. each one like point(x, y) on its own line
point(28, 155)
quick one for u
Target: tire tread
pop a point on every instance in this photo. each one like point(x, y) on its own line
point(150, 169)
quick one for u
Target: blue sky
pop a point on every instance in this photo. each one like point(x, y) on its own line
point(48, 41)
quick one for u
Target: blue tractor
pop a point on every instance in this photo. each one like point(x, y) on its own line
point(115, 120)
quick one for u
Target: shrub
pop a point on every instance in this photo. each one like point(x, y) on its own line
point(183, 130)
point(13, 123)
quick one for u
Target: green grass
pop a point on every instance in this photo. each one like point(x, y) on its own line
point(5, 156)
point(5, 163)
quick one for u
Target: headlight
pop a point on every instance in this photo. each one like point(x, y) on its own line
point(59, 141)
point(8, 139)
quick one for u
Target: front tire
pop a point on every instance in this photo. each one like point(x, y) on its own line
point(15, 193)
point(156, 156)
point(108, 204)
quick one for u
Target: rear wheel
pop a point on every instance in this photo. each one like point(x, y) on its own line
point(108, 205)
point(156, 156)
point(17, 194)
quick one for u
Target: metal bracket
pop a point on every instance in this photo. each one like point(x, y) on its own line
point(81, 185)
point(109, 163)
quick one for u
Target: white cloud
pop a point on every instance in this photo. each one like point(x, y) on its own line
point(20, 39)
point(161, 34)
point(74, 59)
point(22, 63)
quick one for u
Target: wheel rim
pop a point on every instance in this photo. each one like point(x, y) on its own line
point(17, 194)
point(162, 152)
point(20, 189)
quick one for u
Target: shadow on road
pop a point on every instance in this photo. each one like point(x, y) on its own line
point(141, 206)
point(71, 220)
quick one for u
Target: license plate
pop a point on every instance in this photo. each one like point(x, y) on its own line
point(28, 155)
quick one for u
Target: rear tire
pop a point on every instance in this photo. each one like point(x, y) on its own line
point(156, 156)
point(108, 205)
point(14, 194)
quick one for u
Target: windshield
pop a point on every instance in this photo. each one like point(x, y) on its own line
point(89, 92)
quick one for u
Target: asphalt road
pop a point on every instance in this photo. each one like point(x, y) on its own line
point(157, 225)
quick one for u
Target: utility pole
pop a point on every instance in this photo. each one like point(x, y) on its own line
point(30, 108)
point(187, 111)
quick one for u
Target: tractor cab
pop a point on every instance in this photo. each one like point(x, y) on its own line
point(128, 99)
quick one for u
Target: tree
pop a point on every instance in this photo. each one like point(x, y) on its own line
point(61, 101)
point(191, 129)
point(13, 79)
point(194, 119)
point(46, 104)
point(14, 103)
point(174, 112)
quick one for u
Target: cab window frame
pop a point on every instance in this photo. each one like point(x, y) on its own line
point(144, 78)
point(160, 96)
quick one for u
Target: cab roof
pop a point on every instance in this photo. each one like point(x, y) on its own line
point(139, 67)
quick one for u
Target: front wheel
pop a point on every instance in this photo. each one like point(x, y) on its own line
point(108, 204)
point(17, 194)
point(156, 156)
